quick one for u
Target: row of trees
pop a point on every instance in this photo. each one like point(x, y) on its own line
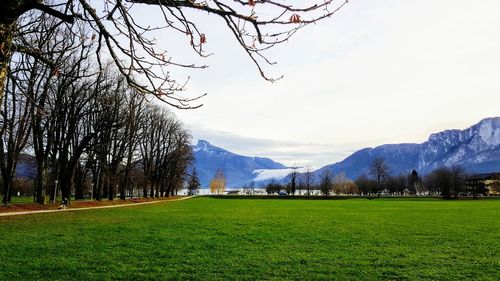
point(305, 183)
point(444, 181)
point(87, 130)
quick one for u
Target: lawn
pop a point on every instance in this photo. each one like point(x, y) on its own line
point(220, 239)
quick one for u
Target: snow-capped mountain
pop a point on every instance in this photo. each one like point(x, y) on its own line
point(477, 148)
point(239, 170)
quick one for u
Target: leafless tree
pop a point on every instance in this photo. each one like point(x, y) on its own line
point(134, 114)
point(72, 94)
point(343, 185)
point(165, 152)
point(458, 178)
point(218, 182)
point(178, 162)
point(380, 170)
point(397, 184)
point(43, 90)
point(365, 185)
point(448, 181)
point(15, 126)
point(150, 144)
point(307, 181)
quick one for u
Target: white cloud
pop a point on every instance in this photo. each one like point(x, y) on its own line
point(289, 153)
point(262, 175)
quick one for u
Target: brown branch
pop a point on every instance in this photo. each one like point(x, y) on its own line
point(55, 13)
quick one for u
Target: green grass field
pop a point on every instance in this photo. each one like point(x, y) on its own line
point(219, 239)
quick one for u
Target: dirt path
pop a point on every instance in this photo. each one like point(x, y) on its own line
point(7, 214)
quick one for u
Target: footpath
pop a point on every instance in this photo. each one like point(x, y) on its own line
point(7, 214)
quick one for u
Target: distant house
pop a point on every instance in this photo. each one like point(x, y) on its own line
point(233, 192)
point(487, 184)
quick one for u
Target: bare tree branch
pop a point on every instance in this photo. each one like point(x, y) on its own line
point(257, 26)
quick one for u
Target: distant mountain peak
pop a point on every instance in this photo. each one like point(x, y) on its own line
point(238, 169)
point(203, 143)
point(207, 147)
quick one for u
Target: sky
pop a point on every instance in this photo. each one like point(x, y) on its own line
point(379, 71)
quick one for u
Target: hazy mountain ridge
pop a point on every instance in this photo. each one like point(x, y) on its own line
point(477, 148)
point(406, 155)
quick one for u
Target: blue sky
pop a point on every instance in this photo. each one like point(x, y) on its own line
point(380, 71)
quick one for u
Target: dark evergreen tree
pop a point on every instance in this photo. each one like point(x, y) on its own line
point(414, 182)
point(326, 183)
point(293, 181)
point(194, 182)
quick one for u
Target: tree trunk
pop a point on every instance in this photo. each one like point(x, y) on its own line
point(6, 33)
point(8, 171)
point(378, 186)
point(168, 190)
point(111, 190)
point(65, 174)
point(98, 185)
point(7, 185)
point(42, 176)
point(66, 184)
point(79, 193)
point(105, 185)
point(123, 189)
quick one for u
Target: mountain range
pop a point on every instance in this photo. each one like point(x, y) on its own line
point(476, 148)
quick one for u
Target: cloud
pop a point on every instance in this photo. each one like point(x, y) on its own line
point(262, 175)
point(289, 153)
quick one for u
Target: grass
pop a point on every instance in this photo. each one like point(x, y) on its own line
point(215, 239)
point(21, 199)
